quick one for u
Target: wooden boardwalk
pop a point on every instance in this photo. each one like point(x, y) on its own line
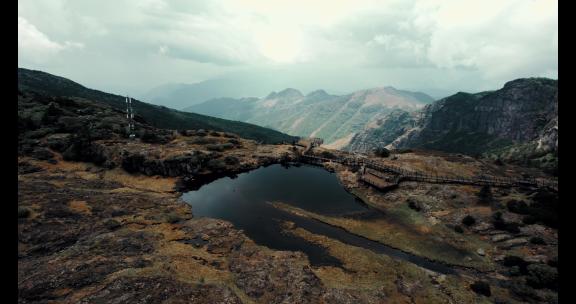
point(408, 175)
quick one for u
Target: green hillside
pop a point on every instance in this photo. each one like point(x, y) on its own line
point(158, 116)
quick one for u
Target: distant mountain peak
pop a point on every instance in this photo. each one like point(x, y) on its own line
point(318, 93)
point(528, 81)
point(286, 93)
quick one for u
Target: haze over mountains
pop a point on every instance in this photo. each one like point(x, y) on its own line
point(318, 114)
point(517, 123)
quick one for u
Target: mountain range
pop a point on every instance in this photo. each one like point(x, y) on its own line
point(335, 118)
point(518, 122)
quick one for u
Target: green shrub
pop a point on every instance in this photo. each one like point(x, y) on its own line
point(485, 195)
point(519, 207)
point(172, 218)
point(537, 240)
point(512, 260)
point(216, 164)
point(327, 154)
point(201, 132)
point(219, 147)
point(401, 151)
point(458, 229)
point(468, 220)
point(23, 212)
point(481, 287)
point(231, 160)
point(412, 204)
point(499, 223)
point(151, 137)
point(521, 290)
point(215, 134)
point(381, 152)
point(542, 276)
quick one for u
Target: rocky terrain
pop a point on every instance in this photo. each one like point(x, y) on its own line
point(100, 220)
point(517, 123)
point(317, 114)
point(507, 236)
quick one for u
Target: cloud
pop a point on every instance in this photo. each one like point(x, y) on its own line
point(440, 44)
point(36, 46)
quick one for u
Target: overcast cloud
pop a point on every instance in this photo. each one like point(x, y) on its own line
point(130, 46)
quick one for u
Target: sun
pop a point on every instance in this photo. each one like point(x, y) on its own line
point(280, 46)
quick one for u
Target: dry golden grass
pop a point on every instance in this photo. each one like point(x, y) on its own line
point(80, 207)
point(141, 182)
point(367, 271)
point(409, 232)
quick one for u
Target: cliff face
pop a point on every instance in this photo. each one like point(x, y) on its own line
point(517, 122)
point(382, 131)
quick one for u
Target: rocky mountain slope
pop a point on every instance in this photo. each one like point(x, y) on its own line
point(158, 116)
point(518, 122)
point(317, 114)
point(179, 96)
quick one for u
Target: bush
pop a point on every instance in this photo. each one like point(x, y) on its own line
point(519, 207)
point(327, 154)
point(216, 164)
point(521, 290)
point(482, 288)
point(485, 195)
point(111, 224)
point(381, 152)
point(219, 147)
point(515, 261)
point(23, 212)
point(153, 138)
point(414, 205)
point(204, 141)
point(81, 148)
point(133, 163)
point(458, 229)
point(215, 134)
point(468, 220)
point(401, 151)
point(537, 241)
point(227, 146)
point(172, 218)
point(234, 141)
point(231, 160)
point(214, 147)
point(201, 132)
point(542, 276)
point(499, 223)
point(185, 132)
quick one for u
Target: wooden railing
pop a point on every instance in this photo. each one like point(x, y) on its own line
point(408, 175)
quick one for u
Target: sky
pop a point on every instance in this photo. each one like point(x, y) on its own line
point(434, 46)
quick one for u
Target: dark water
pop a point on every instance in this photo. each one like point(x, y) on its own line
point(244, 202)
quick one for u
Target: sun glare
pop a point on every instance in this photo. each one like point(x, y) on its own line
point(282, 46)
